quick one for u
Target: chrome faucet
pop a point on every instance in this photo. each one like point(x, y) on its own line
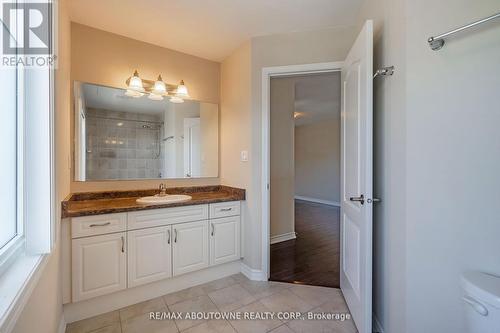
point(163, 190)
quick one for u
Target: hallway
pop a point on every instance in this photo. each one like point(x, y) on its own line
point(314, 256)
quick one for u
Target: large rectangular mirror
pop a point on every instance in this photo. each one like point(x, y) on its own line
point(120, 137)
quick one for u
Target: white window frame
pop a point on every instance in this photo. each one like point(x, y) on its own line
point(35, 164)
point(24, 257)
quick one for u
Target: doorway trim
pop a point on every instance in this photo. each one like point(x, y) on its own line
point(267, 74)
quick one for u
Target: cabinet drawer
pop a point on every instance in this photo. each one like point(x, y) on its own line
point(98, 224)
point(223, 209)
point(166, 216)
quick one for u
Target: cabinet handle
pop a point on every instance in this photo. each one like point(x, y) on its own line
point(213, 229)
point(99, 224)
point(123, 244)
point(226, 209)
point(168, 241)
point(175, 237)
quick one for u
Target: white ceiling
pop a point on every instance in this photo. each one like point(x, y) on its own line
point(317, 98)
point(210, 29)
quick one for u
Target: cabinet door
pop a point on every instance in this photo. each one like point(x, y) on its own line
point(99, 265)
point(190, 248)
point(149, 255)
point(224, 240)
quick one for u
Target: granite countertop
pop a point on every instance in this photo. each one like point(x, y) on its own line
point(95, 203)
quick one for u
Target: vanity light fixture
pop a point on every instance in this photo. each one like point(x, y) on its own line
point(156, 90)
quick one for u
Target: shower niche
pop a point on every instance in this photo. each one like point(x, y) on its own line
point(118, 137)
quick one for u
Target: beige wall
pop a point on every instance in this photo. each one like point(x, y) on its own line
point(317, 160)
point(235, 135)
point(108, 59)
point(282, 101)
point(43, 311)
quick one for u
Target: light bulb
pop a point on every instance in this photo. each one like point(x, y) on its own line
point(182, 90)
point(159, 87)
point(135, 83)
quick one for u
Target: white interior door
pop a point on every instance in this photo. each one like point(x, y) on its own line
point(356, 201)
point(192, 151)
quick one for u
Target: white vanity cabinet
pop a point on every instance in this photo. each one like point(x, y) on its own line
point(190, 251)
point(149, 255)
point(224, 240)
point(99, 265)
point(112, 252)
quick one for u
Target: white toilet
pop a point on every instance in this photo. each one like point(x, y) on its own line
point(481, 296)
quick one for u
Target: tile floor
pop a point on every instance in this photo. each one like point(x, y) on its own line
point(233, 293)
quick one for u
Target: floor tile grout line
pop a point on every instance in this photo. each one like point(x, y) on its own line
point(201, 287)
point(202, 321)
point(230, 324)
point(170, 311)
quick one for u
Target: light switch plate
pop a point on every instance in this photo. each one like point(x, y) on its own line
point(244, 156)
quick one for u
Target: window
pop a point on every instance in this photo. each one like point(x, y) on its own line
point(9, 228)
point(11, 150)
point(26, 149)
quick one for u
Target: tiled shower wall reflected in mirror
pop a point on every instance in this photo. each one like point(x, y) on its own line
point(123, 145)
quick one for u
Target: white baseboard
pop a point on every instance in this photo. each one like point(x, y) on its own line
point(102, 304)
point(321, 201)
point(377, 327)
point(253, 274)
point(283, 237)
point(62, 325)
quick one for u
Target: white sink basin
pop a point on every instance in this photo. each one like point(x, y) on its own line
point(165, 199)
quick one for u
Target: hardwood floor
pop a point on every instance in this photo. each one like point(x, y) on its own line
point(314, 257)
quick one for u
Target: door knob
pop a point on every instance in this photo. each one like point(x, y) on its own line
point(360, 199)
